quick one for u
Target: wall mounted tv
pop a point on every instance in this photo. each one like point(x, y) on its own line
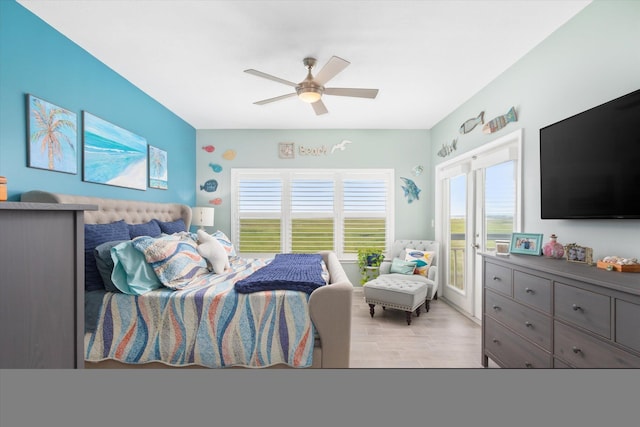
point(590, 163)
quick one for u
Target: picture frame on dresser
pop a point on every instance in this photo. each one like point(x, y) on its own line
point(579, 254)
point(526, 243)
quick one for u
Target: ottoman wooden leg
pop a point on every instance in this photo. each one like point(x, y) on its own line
point(408, 317)
point(418, 312)
point(426, 304)
point(371, 306)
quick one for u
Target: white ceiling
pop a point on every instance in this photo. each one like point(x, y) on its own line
point(425, 57)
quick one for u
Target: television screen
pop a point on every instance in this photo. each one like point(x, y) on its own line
point(590, 163)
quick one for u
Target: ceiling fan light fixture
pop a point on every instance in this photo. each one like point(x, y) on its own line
point(309, 95)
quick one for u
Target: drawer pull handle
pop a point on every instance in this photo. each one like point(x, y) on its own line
point(529, 291)
point(528, 324)
point(528, 364)
point(576, 350)
point(495, 341)
point(496, 278)
point(496, 307)
point(576, 307)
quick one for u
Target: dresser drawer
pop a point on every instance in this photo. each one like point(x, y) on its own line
point(532, 290)
point(559, 364)
point(585, 351)
point(587, 309)
point(511, 349)
point(497, 278)
point(531, 324)
point(628, 324)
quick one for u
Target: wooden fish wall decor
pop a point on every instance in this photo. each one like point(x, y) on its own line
point(470, 124)
point(500, 121)
point(448, 149)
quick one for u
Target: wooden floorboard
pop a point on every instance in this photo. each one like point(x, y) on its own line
point(440, 338)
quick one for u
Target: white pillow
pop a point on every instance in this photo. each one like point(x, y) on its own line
point(422, 259)
point(213, 251)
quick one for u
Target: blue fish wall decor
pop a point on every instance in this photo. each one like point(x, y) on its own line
point(210, 186)
point(215, 167)
point(411, 190)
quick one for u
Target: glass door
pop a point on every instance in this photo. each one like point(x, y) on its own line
point(479, 203)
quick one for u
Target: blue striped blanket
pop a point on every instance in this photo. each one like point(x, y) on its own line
point(294, 272)
point(206, 323)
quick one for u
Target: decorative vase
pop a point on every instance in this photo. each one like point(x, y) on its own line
point(552, 248)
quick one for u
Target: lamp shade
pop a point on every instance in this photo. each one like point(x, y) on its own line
point(202, 216)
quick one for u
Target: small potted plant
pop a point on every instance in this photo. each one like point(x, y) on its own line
point(369, 257)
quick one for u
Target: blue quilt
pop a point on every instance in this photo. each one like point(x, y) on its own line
point(295, 272)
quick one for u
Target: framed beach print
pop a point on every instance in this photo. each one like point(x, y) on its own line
point(52, 136)
point(113, 155)
point(526, 243)
point(158, 168)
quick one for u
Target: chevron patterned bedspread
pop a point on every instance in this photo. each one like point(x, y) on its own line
point(206, 323)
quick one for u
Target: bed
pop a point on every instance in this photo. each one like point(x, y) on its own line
point(204, 321)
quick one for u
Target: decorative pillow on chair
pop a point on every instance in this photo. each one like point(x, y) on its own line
point(94, 235)
point(151, 229)
point(212, 250)
point(171, 227)
point(174, 259)
point(402, 267)
point(421, 258)
point(226, 242)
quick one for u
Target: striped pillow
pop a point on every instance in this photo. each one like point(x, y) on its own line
point(174, 259)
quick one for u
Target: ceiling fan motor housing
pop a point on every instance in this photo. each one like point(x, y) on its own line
point(308, 90)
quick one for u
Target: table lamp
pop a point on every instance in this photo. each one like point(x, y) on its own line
point(202, 216)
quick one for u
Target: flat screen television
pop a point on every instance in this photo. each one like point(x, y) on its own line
point(590, 163)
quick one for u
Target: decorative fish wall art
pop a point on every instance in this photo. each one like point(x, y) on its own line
point(229, 154)
point(448, 149)
point(500, 121)
point(215, 167)
point(411, 190)
point(209, 148)
point(210, 186)
point(470, 124)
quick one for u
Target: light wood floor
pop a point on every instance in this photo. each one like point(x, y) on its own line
point(440, 338)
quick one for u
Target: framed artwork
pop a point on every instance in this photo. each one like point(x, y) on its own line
point(577, 253)
point(112, 155)
point(526, 243)
point(51, 136)
point(158, 168)
point(286, 150)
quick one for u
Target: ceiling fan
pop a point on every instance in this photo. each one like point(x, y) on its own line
point(311, 89)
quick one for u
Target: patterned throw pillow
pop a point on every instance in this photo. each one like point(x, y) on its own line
point(171, 227)
point(94, 235)
point(151, 229)
point(174, 259)
point(226, 242)
point(422, 259)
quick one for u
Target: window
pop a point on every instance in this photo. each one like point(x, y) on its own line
point(307, 210)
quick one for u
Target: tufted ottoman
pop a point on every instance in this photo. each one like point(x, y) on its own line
point(405, 295)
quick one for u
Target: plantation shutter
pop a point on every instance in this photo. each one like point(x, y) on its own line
point(365, 211)
point(312, 214)
point(259, 211)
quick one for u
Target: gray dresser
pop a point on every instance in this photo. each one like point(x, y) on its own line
point(548, 313)
point(41, 285)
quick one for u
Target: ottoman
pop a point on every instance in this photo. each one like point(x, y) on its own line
point(405, 295)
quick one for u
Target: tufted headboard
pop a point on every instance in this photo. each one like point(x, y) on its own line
point(110, 210)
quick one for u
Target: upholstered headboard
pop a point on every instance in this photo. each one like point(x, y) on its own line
point(110, 210)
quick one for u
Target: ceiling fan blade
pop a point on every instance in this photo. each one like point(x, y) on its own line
point(330, 70)
point(270, 77)
point(348, 91)
point(319, 107)
point(277, 98)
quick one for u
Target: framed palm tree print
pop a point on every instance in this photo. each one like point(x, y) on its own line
point(52, 136)
point(157, 168)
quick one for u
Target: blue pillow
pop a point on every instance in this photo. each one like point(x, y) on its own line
point(402, 267)
point(171, 227)
point(104, 262)
point(131, 273)
point(151, 229)
point(94, 235)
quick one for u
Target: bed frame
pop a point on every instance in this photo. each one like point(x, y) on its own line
point(329, 306)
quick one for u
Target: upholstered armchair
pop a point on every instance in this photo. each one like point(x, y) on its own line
point(398, 250)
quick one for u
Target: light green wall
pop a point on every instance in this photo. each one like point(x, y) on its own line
point(592, 59)
point(255, 148)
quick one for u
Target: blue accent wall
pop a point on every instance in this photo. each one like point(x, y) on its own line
point(36, 59)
